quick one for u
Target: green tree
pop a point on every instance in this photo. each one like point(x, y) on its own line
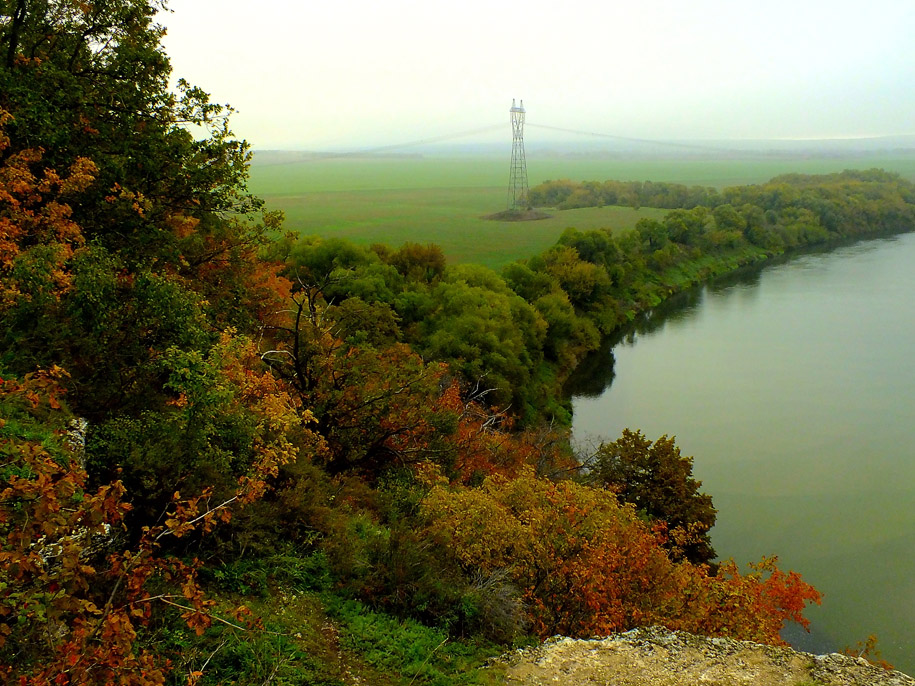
point(485, 332)
point(654, 232)
point(160, 230)
point(527, 283)
point(584, 282)
point(686, 226)
point(423, 263)
point(597, 247)
point(658, 481)
point(568, 335)
point(91, 80)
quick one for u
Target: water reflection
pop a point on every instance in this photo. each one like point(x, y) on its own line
point(747, 276)
point(595, 374)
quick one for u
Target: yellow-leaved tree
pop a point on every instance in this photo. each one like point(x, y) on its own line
point(584, 565)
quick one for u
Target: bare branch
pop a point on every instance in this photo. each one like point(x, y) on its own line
point(206, 514)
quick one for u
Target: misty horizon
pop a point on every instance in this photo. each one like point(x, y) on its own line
point(363, 74)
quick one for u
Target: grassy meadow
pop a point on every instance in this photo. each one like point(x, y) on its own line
point(444, 200)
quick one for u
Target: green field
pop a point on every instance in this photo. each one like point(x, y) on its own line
point(443, 200)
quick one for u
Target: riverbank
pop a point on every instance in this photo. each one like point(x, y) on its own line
point(611, 278)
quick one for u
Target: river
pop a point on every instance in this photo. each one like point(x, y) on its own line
point(793, 387)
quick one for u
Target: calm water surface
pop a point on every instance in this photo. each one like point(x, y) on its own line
point(794, 390)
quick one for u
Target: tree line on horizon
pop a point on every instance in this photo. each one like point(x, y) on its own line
point(199, 421)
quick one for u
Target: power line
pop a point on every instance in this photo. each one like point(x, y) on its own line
point(410, 144)
point(644, 141)
point(496, 127)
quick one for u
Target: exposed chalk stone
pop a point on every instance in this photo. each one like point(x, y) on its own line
point(655, 656)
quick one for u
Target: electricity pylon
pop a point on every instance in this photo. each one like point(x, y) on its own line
point(517, 181)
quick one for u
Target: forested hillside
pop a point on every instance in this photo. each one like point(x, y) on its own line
point(231, 459)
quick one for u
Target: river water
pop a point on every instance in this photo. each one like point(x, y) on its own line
point(793, 387)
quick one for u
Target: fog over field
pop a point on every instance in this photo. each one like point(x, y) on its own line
point(327, 76)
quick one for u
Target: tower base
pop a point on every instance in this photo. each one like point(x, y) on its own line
point(518, 216)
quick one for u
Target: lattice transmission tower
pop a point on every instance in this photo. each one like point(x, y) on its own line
point(517, 180)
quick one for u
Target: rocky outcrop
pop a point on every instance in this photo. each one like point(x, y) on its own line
point(656, 656)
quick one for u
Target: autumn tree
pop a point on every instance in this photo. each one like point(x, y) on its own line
point(76, 596)
point(91, 126)
point(373, 407)
point(38, 236)
point(225, 413)
point(91, 80)
point(487, 442)
point(573, 553)
point(585, 565)
point(657, 479)
point(128, 254)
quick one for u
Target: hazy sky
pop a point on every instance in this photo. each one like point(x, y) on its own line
point(326, 74)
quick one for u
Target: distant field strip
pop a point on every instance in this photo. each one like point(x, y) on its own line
point(450, 217)
point(443, 200)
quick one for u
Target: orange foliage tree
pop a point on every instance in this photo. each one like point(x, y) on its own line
point(380, 405)
point(486, 442)
point(375, 408)
point(586, 565)
point(752, 606)
point(37, 233)
point(73, 599)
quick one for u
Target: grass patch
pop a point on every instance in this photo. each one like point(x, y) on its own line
point(313, 635)
point(298, 645)
point(256, 576)
point(325, 640)
point(453, 218)
point(445, 200)
point(298, 176)
point(417, 653)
